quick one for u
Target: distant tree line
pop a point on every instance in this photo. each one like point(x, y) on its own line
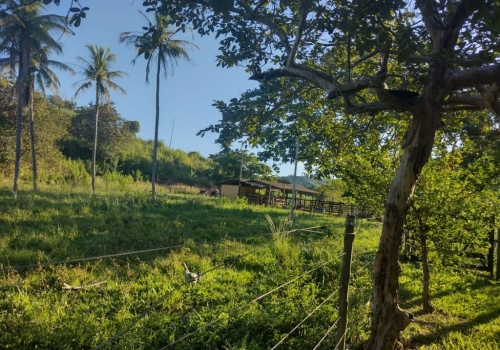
point(65, 137)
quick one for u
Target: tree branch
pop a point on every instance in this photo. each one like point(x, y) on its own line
point(464, 10)
point(472, 77)
point(465, 100)
point(432, 21)
point(298, 37)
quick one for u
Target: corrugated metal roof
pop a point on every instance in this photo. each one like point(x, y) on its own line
point(266, 184)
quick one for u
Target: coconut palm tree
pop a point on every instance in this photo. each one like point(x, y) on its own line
point(97, 70)
point(43, 77)
point(24, 29)
point(158, 43)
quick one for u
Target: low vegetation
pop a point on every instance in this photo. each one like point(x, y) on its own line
point(243, 254)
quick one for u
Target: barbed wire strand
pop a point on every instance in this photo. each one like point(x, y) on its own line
point(340, 340)
point(156, 303)
point(326, 334)
point(306, 318)
point(71, 261)
point(313, 231)
point(253, 300)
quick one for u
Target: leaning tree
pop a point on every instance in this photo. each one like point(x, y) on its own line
point(423, 58)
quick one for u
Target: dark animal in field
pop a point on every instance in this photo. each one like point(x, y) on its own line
point(214, 193)
point(191, 277)
point(203, 192)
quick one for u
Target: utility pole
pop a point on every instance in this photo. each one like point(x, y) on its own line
point(171, 134)
point(239, 179)
point(294, 180)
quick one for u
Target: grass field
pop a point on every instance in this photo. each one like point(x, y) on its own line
point(145, 303)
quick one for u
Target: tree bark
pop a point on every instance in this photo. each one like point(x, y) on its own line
point(94, 149)
point(32, 138)
point(157, 123)
point(388, 320)
point(22, 95)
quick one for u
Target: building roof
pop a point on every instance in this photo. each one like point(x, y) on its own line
point(266, 184)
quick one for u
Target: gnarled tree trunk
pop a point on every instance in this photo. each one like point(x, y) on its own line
point(388, 320)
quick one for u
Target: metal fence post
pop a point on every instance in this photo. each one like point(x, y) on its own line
point(344, 281)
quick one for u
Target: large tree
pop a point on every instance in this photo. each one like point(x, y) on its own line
point(24, 30)
point(228, 164)
point(157, 42)
point(423, 59)
point(97, 70)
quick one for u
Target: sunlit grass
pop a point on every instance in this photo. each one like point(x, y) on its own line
point(250, 257)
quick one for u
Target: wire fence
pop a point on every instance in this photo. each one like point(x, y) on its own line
point(137, 252)
point(262, 296)
point(226, 262)
point(306, 318)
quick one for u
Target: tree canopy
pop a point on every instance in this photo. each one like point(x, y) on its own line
point(418, 62)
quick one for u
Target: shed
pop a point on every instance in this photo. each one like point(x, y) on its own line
point(261, 191)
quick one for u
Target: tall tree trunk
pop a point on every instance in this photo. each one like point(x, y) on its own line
point(426, 295)
point(388, 320)
point(19, 126)
point(94, 149)
point(157, 123)
point(32, 137)
point(22, 95)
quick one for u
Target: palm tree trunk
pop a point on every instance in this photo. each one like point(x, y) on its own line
point(23, 79)
point(157, 123)
point(19, 119)
point(94, 149)
point(32, 138)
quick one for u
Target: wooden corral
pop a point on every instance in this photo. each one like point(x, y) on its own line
point(262, 192)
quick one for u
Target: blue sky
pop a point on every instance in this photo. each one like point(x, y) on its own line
point(187, 95)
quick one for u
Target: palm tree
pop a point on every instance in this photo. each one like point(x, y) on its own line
point(96, 70)
point(157, 42)
point(41, 75)
point(44, 77)
point(23, 30)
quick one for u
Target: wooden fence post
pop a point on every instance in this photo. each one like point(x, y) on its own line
point(498, 254)
point(344, 281)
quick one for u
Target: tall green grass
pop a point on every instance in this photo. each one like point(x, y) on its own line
point(248, 252)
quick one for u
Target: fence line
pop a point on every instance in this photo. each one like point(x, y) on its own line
point(22, 267)
point(326, 334)
point(253, 300)
point(71, 261)
point(156, 303)
point(306, 318)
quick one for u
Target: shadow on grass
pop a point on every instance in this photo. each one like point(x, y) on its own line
point(428, 339)
point(49, 226)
